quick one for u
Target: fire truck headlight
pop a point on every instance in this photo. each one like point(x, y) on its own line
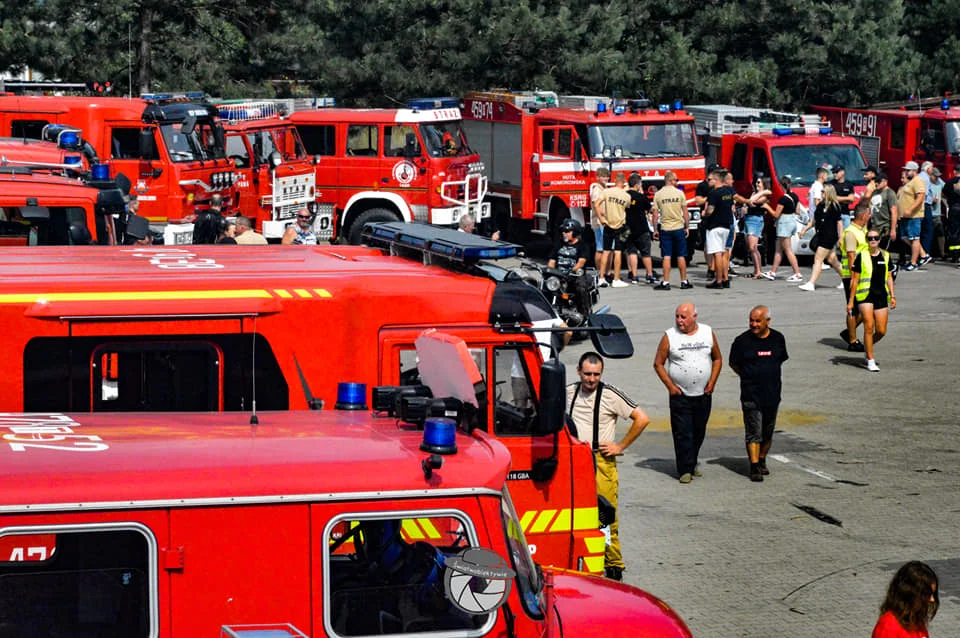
point(607, 153)
point(552, 284)
point(618, 151)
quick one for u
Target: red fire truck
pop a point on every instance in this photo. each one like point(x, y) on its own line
point(410, 164)
point(61, 151)
point(211, 328)
point(171, 148)
point(195, 525)
point(276, 177)
point(542, 150)
point(893, 134)
point(750, 141)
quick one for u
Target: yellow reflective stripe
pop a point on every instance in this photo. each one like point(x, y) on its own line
point(526, 519)
point(593, 564)
point(134, 295)
point(596, 544)
point(302, 292)
point(322, 293)
point(543, 520)
point(586, 518)
point(409, 527)
point(428, 528)
point(562, 522)
point(285, 294)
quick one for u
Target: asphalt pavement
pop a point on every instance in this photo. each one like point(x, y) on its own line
point(864, 466)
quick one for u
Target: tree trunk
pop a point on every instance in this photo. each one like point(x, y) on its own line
point(146, 42)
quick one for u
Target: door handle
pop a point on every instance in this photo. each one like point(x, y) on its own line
point(546, 183)
point(385, 180)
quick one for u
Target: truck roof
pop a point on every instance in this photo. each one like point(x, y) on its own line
point(193, 459)
point(106, 281)
point(652, 116)
point(25, 184)
point(796, 140)
point(129, 107)
point(375, 116)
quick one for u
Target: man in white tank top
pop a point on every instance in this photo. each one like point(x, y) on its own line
point(688, 363)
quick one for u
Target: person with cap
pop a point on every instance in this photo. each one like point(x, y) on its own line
point(300, 233)
point(931, 211)
point(910, 204)
point(700, 199)
point(845, 193)
point(884, 214)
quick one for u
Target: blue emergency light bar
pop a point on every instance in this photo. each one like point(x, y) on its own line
point(619, 109)
point(780, 132)
point(663, 108)
point(601, 108)
point(677, 105)
point(446, 243)
point(945, 104)
point(73, 160)
point(428, 103)
point(324, 102)
point(826, 130)
point(165, 97)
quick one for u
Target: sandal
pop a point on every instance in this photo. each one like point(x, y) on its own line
point(755, 275)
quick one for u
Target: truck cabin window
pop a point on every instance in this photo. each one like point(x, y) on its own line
point(288, 142)
point(263, 145)
point(362, 141)
point(43, 226)
point(237, 151)
point(515, 406)
point(192, 145)
point(395, 141)
point(30, 129)
point(318, 139)
point(95, 583)
point(801, 162)
point(386, 575)
point(445, 139)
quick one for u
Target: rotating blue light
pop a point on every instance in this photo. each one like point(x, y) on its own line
point(69, 139)
point(73, 160)
point(663, 108)
point(100, 172)
point(601, 108)
point(439, 436)
point(945, 104)
point(677, 105)
point(351, 396)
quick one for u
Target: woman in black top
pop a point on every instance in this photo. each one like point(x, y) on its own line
point(829, 226)
point(875, 303)
point(785, 214)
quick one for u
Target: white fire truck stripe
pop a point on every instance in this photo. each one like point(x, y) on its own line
point(659, 164)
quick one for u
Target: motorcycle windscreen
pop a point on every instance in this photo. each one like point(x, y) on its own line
point(612, 340)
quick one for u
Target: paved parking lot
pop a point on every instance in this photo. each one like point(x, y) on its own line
point(864, 466)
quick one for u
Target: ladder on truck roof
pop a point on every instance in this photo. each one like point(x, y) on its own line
point(720, 119)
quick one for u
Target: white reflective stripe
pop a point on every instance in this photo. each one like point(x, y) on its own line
point(654, 163)
point(427, 115)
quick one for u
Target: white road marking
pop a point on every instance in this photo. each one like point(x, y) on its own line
point(821, 474)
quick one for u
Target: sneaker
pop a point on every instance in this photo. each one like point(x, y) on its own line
point(696, 473)
point(872, 366)
point(603, 284)
point(685, 478)
point(732, 272)
point(609, 277)
point(663, 285)
point(845, 335)
point(856, 346)
point(763, 467)
point(635, 280)
point(716, 285)
point(651, 279)
point(769, 275)
point(613, 573)
point(755, 475)
point(924, 261)
point(619, 283)
point(685, 285)
point(726, 283)
point(809, 287)
point(911, 267)
point(795, 277)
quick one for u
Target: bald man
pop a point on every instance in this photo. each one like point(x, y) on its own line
point(757, 356)
point(688, 362)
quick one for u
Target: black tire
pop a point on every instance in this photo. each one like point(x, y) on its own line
point(367, 216)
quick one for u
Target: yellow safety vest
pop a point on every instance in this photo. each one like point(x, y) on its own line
point(862, 245)
point(866, 274)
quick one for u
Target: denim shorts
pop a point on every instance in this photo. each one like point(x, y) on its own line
point(786, 226)
point(598, 236)
point(733, 233)
point(911, 228)
point(673, 243)
point(846, 218)
point(753, 225)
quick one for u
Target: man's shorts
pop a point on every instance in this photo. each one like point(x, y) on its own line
point(612, 239)
point(673, 243)
point(846, 297)
point(937, 226)
point(598, 237)
point(910, 228)
point(639, 244)
point(753, 225)
point(786, 226)
point(759, 422)
point(717, 240)
point(733, 234)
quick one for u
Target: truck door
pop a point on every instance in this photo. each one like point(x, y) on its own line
point(147, 175)
point(359, 170)
point(760, 165)
point(544, 499)
point(238, 151)
point(738, 166)
point(557, 168)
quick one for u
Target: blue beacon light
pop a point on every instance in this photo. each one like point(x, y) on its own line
point(69, 138)
point(73, 160)
point(439, 436)
point(601, 108)
point(351, 396)
point(100, 172)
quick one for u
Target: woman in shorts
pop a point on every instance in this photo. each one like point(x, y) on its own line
point(753, 221)
point(871, 288)
point(829, 227)
point(785, 214)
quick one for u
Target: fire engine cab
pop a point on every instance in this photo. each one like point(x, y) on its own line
point(411, 164)
point(542, 151)
point(750, 142)
point(210, 328)
point(334, 523)
point(170, 147)
point(895, 133)
point(276, 177)
point(61, 150)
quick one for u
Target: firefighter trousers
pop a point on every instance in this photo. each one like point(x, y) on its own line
point(608, 483)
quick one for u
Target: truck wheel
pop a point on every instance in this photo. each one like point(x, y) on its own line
point(367, 216)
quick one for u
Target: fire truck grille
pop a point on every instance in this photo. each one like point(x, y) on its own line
point(288, 211)
point(420, 213)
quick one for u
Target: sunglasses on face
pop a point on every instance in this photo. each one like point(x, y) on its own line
point(873, 238)
point(303, 216)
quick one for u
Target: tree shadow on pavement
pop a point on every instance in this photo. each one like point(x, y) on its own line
point(664, 466)
point(736, 464)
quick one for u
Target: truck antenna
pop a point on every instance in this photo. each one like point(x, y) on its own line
point(253, 417)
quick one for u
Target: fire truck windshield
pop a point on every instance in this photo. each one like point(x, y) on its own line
point(198, 144)
point(801, 162)
point(643, 140)
point(445, 139)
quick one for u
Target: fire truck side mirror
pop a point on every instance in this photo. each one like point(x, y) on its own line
point(219, 137)
point(578, 150)
point(188, 125)
point(410, 146)
point(147, 148)
point(553, 397)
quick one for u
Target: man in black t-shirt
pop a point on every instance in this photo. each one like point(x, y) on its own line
point(717, 219)
point(845, 193)
point(757, 356)
point(638, 244)
point(700, 199)
point(571, 254)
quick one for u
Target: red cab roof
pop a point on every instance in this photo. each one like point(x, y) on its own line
point(180, 459)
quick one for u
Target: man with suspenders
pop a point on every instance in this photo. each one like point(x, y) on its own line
point(595, 408)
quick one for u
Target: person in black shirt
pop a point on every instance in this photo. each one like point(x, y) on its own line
point(951, 193)
point(638, 244)
point(717, 219)
point(700, 199)
point(572, 253)
point(757, 356)
point(845, 193)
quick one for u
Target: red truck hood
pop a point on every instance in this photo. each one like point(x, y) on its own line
point(579, 598)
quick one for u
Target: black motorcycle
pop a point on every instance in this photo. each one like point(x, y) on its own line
point(574, 294)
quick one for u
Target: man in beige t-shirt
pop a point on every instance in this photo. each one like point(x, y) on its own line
point(910, 206)
point(246, 234)
point(614, 219)
point(596, 210)
point(599, 428)
point(670, 211)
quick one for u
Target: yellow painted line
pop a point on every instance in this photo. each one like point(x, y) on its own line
point(410, 528)
point(543, 521)
point(593, 564)
point(526, 519)
point(302, 292)
point(595, 544)
point(562, 522)
point(133, 295)
point(428, 528)
point(322, 293)
point(284, 294)
point(586, 518)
